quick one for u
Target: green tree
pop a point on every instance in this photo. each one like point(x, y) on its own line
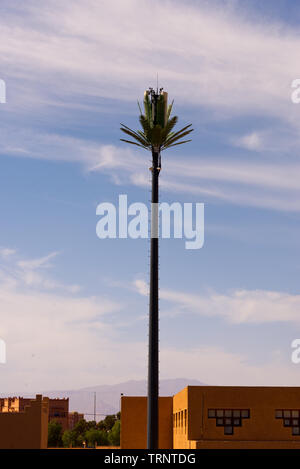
point(107, 423)
point(69, 438)
point(80, 440)
point(91, 424)
point(101, 425)
point(96, 437)
point(81, 427)
point(54, 434)
point(114, 434)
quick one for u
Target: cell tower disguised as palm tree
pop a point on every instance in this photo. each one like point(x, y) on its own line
point(156, 135)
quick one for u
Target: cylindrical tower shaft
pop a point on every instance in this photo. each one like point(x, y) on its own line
point(153, 365)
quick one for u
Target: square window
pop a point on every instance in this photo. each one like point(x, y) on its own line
point(296, 431)
point(295, 422)
point(228, 422)
point(245, 413)
point(211, 413)
point(295, 414)
point(237, 422)
point(287, 414)
point(287, 422)
point(237, 413)
point(220, 422)
point(228, 413)
point(278, 414)
point(220, 413)
point(228, 430)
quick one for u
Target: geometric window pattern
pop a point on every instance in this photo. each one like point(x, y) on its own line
point(229, 418)
point(291, 418)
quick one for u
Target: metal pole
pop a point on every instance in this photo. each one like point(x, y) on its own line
point(153, 367)
point(94, 406)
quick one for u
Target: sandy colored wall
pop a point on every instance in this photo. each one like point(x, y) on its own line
point(218, 444)
point(25, 430)
point(187, 419)
point(262, 402)
point(58, 408)
point(180, 420)
point(134, 422)
point(261, 430)
point(59, 411)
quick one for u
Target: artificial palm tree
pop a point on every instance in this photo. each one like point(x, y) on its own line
point(157, 125)
point(156, 135)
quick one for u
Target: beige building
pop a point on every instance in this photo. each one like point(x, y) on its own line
point(26, 429)
point(58, 408)
point(200, 417)
point(59, 411)
point(134, 422)
point(74, 418)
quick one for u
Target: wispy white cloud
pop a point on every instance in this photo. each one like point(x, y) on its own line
point(238, 306)
point(279, 140)
point(265, 184)
point(58, 340)
point(33, 264)
point(65, 59)
point(54, 337)
point(31, 272)
point(7, 252)
point(216, 366)
point(208, 56)
point(252, 141)
point(258, 183)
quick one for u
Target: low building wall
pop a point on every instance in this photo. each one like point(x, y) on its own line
point(134, 422)
point(27, 429)
point(233, 417)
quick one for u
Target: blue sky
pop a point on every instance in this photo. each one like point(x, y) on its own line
point(74, 307)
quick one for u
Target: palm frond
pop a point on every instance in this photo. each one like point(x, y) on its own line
point(161, 111)
point(139, 107)
point(130, 132)
point(128, 128)
point(169, 126)
point(177, 137)
point(145, 125)
point(142, 135)
point(148, 107)
point(156, 136)
point(179, 143)
point(179, 132)
point(134, 143)
point(135, 136)
point(169, 110)
point(161, 135)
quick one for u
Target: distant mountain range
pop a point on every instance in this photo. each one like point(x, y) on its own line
point(108, 396)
